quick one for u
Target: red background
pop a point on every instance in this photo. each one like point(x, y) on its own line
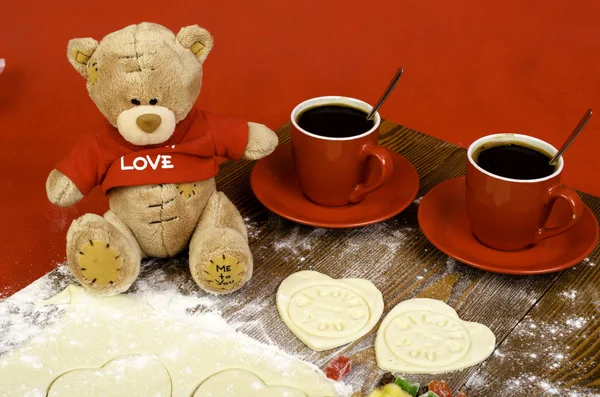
point(472, 68)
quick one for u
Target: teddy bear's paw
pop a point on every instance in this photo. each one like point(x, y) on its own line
point(100, 257)
point(224, 268)
point(262, 141)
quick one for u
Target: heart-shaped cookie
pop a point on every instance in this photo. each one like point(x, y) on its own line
point(239, 382)
point(324, 312)
point(426, 336)
point(135, 375)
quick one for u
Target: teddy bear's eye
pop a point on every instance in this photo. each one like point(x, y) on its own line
point(153, 101)
point(135, 101)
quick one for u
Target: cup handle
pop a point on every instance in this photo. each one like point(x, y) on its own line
point(561, 192)
point(385, 162)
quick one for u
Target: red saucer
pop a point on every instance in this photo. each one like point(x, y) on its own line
point(443, 219)
point(275, 184)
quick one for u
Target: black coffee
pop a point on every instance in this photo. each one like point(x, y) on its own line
point(335, 121)
point(515, 161)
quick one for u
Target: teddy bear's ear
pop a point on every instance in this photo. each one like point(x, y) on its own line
point(197, 40)
point(79, 53)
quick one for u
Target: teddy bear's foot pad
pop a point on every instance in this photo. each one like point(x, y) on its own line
point(224, 273)
point(220, 260)
point(100, 256)
point(99, 263)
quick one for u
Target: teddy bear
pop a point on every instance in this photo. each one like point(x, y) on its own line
point(156, 159)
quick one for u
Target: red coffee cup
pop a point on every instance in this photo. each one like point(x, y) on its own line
point(339, 171)
point(510, 214)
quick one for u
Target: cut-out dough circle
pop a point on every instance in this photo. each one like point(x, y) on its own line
point(239, 382)
point(135, 376)
point(325, 313)
point(426, 336)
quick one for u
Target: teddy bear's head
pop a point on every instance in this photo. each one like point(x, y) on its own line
point(143, 78)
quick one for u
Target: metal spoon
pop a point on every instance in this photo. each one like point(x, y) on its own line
point(387, 92)
point(571, 138)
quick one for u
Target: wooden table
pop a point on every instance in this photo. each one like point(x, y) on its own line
point(548, 342)
point(547, 327)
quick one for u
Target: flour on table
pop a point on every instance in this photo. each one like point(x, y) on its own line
point(539, 342)
point(576, 322)
point(296, 242)
point(588, 262)
point(450, 266)
point(93, 331)
point(21, 319)
point(26, 328)
point(570, 294)
point(253, 228)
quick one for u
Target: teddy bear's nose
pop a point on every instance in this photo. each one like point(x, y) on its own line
point(148, 122)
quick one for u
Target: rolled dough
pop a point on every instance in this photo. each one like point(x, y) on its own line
point(237, 382)
point(100, 341)
point(324, 312)
point(426, 336)
point(142, 373)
